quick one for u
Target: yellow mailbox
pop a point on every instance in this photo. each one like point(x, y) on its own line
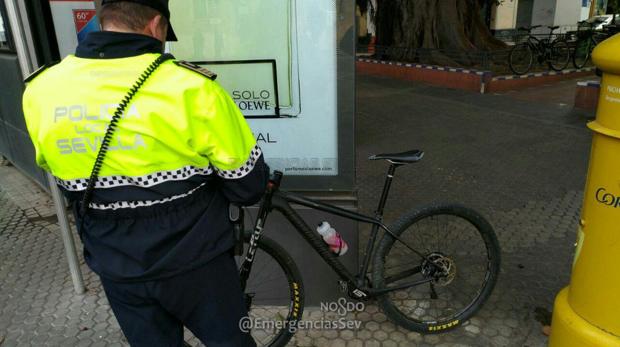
point(587, 312)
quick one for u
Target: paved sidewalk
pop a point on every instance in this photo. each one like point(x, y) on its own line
point(520, 160)
point(561, 93)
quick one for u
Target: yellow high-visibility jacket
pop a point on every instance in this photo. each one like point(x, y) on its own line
point(181, 152)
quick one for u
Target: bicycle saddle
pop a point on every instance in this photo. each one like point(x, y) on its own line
point(553, 27)
point(400, 158)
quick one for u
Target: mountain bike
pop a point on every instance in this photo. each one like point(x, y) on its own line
point(587, 39)
point(553, 51)
point(431, 270)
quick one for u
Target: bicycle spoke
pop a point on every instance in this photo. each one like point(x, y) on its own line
point(268, 292)
point(402, 265)
point(433, 292)
point(437, 233)
point(559, 55)
point(456, 266)
point(520, 58)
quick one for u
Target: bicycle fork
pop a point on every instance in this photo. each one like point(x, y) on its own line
point(263, 211)
point(246, 265)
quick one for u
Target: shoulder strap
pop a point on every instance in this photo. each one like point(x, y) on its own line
point(105, 143)
point(196, 68)
point(40, 70)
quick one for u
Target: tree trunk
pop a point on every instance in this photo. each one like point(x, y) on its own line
point(446, 32)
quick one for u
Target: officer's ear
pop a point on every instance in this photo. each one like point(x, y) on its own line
point(157, 28)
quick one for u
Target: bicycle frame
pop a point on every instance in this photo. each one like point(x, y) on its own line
point(538, 46)
point(355, 284)
point(541, 46)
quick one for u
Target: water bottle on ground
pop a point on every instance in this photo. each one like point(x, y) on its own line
point(333, 239)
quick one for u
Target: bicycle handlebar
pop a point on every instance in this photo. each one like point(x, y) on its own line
point(585, 23)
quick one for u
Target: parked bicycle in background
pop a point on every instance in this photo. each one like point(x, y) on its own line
point(587, 39)
point(551, 50)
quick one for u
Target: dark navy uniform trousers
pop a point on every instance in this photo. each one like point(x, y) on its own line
point(208, 301)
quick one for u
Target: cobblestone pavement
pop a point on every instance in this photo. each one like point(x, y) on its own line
point(521, 161)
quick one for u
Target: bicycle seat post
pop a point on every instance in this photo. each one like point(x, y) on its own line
point(386, 190)
point(361, 281)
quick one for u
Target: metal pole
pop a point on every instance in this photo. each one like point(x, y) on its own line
point(20, 37)
point(67, 237)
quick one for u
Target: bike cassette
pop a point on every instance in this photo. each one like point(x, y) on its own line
point(443, 271)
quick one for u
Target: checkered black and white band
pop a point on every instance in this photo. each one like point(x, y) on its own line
point(146, 203)
point(163, 176)
point(243, 170)
point(140, 181)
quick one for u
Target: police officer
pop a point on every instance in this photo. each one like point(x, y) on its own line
point(156, 228)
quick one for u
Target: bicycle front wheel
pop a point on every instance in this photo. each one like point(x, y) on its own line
point(461, 265)
point(520, 59)
point(559, 55)
point(581, 55)
point(274, 294)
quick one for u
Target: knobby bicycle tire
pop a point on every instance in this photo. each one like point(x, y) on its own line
point(520, 59)
point(423, 322)
point(265, 267)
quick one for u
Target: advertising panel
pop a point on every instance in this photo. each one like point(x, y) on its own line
point(278, 61)
point(73, 20)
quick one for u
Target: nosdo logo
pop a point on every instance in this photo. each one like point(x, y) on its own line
point(342, 306)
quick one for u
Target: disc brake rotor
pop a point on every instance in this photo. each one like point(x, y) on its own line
point(444, 270)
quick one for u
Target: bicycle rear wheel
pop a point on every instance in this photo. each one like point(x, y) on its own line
point(274, 293)
point(466, 254)
point(520, 59)
point(559, 55)
point(581, 55)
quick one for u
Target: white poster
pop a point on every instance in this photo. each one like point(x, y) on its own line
point(277, 60)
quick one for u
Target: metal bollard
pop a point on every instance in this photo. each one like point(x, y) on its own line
point(587, 312)
point(67, 237)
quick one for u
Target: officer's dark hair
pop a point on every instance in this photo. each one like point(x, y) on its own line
point(127, 15)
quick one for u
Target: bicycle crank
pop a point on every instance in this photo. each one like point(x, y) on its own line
point(353, 291)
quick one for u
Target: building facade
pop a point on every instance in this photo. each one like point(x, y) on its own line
point(512, 14)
